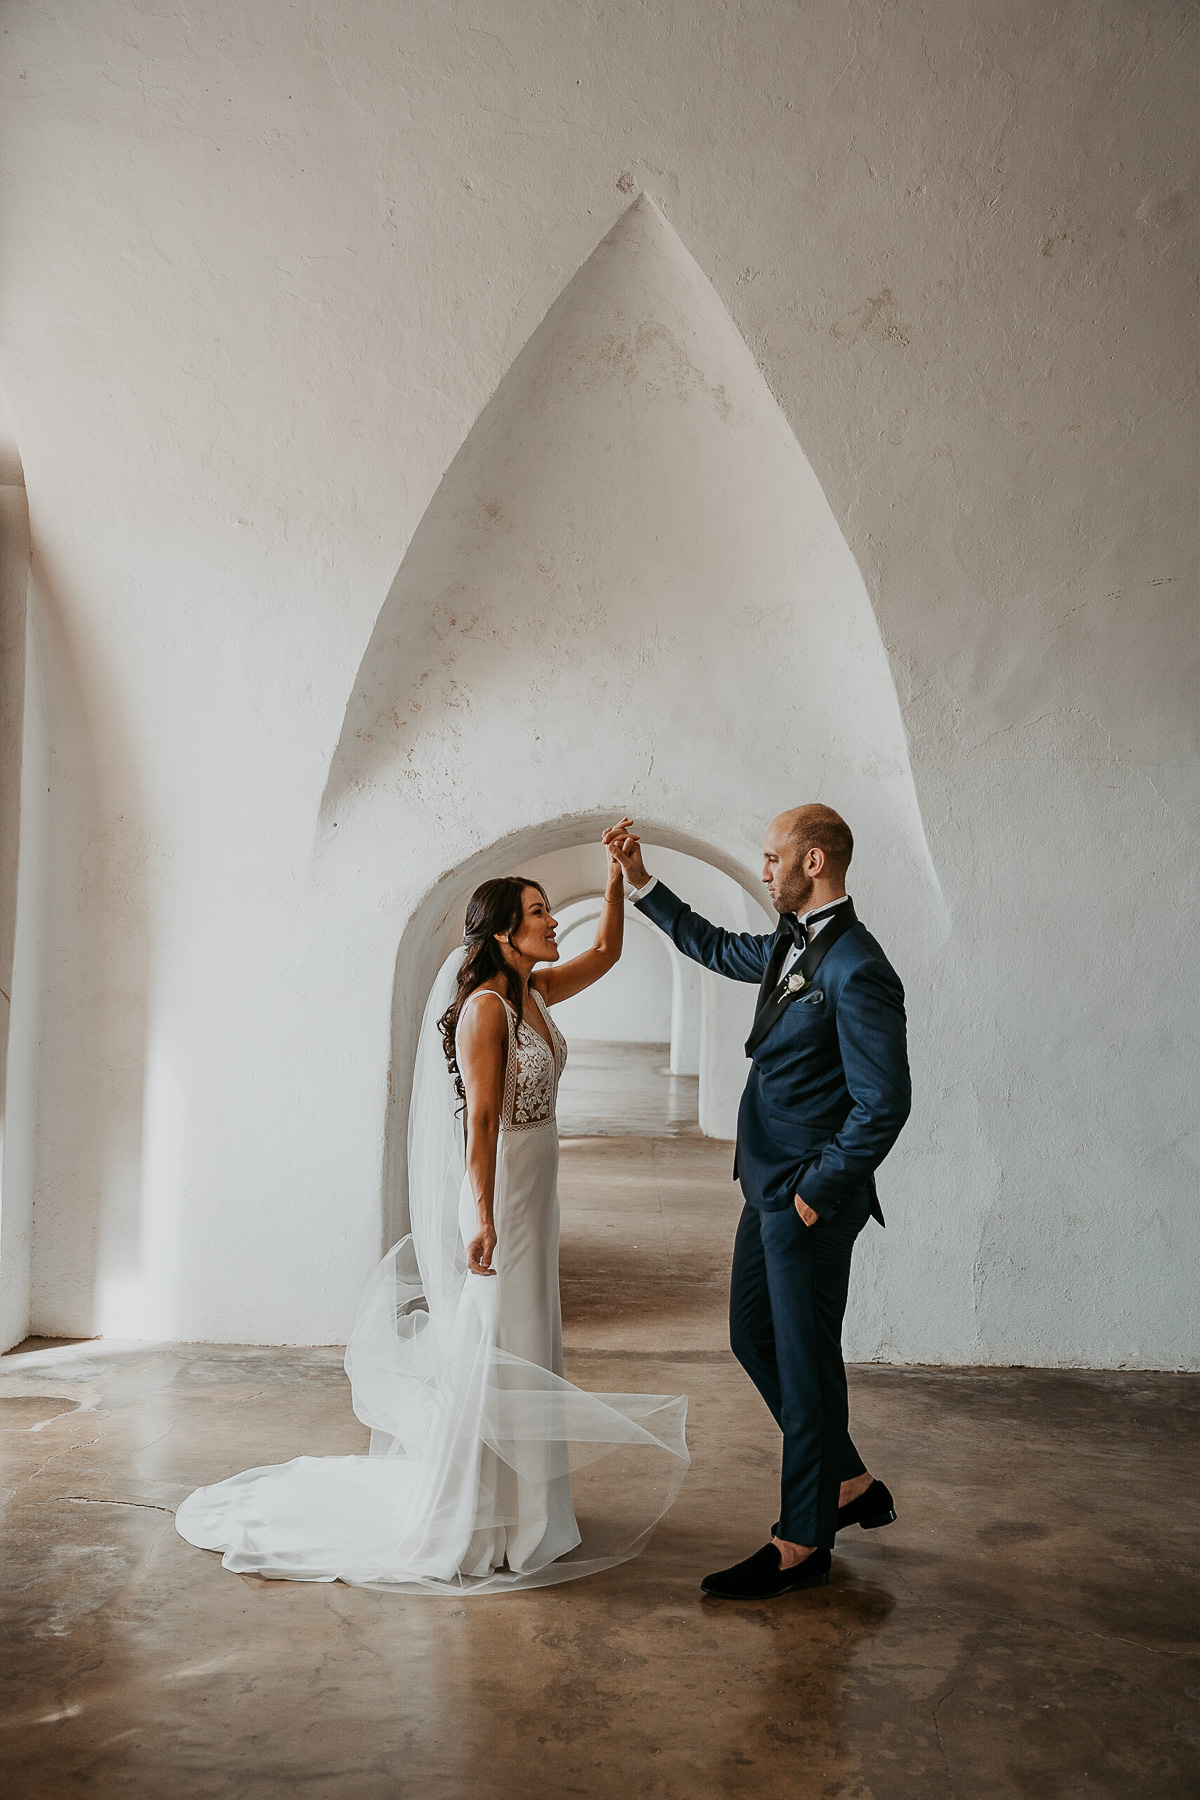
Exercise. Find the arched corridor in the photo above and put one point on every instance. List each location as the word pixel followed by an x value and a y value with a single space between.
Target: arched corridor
pixel 708 1017
pixel 655 1046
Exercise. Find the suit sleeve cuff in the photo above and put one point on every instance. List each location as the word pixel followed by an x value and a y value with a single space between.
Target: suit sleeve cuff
pixel 636 894
pixel 822 1205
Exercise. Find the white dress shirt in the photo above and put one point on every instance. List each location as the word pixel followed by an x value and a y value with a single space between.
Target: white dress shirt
pixel 817 925
pixel 636 894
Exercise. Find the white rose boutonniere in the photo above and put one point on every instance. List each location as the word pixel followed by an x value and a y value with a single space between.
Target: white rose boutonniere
pixel 795 984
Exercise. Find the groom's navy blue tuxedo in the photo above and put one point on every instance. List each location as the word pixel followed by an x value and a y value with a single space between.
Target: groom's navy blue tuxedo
pixel 826 1098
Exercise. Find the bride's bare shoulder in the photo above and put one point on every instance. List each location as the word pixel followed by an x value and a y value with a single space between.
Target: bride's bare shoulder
pixel 480 1024
pixel 488 987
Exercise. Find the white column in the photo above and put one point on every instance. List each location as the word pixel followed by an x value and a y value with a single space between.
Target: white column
pixel 726 1015
pixel 685 1014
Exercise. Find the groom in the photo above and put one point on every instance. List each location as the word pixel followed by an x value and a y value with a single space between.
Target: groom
pixel 826 1098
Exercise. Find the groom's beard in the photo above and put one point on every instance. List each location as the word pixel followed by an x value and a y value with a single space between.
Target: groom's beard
pixel 795 896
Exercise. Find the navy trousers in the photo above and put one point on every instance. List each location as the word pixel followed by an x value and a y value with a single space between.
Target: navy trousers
pixel 787 1299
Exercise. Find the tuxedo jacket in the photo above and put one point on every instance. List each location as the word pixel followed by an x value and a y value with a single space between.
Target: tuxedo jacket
pixel 829 1089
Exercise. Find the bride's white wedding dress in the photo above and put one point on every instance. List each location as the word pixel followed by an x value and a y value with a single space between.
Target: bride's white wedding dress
pixel 482 1454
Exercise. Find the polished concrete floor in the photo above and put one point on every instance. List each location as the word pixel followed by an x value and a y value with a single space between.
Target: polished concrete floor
pixel 1027 1627
pixel 628 1085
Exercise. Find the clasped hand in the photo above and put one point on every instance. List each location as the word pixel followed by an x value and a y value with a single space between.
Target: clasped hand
pixel 626 847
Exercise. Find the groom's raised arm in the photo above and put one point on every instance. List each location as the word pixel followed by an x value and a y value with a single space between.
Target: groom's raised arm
pixel 739 954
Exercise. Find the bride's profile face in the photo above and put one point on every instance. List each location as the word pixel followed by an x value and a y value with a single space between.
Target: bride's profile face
pixel 534 937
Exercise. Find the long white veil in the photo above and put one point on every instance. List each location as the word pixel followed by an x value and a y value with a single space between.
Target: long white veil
pixel 402 1343
pixel 442 1399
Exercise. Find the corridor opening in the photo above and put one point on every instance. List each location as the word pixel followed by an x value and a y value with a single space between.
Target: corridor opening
pixel 655 1047
pixel 619 1080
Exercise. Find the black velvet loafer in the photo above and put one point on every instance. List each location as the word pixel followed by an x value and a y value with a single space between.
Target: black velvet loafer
pixel 761 1577
pixel 873 1508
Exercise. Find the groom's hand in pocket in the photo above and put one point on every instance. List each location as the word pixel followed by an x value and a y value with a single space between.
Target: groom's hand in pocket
pixel 806 1212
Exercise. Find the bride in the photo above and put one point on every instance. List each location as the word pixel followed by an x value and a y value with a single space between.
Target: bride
pixel 487 1469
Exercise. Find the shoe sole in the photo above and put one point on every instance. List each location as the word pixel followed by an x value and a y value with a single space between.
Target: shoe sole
pixel 795 1587
pixel 871 1524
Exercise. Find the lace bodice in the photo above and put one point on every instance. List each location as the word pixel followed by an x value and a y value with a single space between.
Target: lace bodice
pixel 532 1068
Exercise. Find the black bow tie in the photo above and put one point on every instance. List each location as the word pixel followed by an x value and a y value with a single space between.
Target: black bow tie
pixel 800 930
pixel 794 928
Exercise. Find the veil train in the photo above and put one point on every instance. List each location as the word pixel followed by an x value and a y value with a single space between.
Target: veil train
pixel 460 1428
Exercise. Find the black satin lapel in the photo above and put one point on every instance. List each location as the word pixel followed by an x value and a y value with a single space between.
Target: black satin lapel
pixel 777 1003
pixel 770 980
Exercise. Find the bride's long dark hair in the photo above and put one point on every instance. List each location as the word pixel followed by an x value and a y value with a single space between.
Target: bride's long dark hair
pixel 496 907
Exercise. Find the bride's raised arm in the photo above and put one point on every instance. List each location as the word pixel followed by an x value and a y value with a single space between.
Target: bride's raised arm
pixel 561 980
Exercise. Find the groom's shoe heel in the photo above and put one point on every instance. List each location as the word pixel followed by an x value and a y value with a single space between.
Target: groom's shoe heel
pixel 821 1580
pixel 873 1507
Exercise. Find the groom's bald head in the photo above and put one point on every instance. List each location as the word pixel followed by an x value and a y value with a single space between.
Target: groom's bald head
pixel 817 827
pixel 806 853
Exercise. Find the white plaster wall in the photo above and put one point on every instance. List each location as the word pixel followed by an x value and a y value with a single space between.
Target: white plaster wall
pixel 263 273
pixel 24 1095
pixel 18 1027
